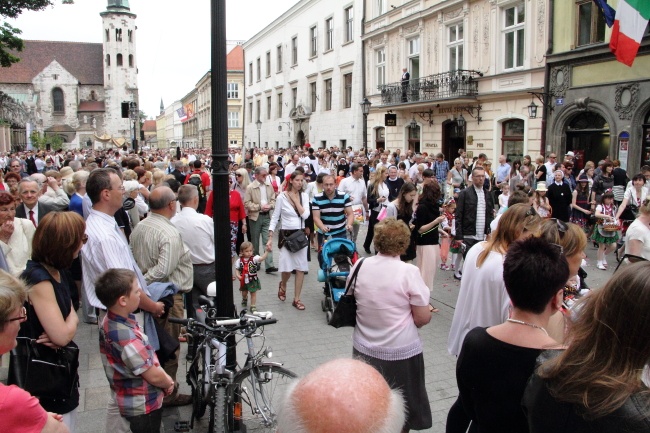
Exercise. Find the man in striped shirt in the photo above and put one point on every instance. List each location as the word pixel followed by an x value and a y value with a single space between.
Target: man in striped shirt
pixel 332 211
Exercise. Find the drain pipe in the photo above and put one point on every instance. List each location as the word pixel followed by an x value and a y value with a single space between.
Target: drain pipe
pixel 547 77
pixel 363 71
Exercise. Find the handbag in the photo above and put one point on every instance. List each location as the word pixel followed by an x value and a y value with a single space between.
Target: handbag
pixel 382 213
pixel 43 371
pixel 297 240
pixel 345 313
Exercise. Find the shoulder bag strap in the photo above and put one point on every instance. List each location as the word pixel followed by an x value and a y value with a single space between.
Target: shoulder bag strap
pixel 353 280
pixel 294 207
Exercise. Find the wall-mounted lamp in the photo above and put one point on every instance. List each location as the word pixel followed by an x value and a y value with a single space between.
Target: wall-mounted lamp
pixel 544 98
pixel 427 116
pixel 413 123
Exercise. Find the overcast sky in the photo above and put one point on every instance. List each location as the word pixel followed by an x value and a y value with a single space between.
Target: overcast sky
pixel 173 37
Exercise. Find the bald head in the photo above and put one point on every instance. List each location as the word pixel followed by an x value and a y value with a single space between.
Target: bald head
pixel 357 398
pixel 160 198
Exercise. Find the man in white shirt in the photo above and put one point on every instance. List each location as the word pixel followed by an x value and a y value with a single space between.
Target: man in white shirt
pixel 355 187
pixel 550 168
pixel 197 231
pixel 291 167
pixel 413 170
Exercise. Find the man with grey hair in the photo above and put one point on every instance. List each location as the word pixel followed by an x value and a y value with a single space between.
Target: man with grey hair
pixel 31 208
pixel 259 201
pixel 197 232
pixel 342 396
pixel 51 193
pixel 160 253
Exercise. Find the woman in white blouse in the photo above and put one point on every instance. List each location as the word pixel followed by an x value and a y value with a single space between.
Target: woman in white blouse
pixel 16 235
pixel 292 209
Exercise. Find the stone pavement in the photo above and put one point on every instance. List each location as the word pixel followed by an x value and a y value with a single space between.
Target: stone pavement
pixel 302 340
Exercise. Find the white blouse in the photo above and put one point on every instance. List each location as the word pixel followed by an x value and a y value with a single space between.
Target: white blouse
pixel 284 210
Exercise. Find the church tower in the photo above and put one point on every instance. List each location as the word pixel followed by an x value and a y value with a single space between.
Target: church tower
pixel 120 67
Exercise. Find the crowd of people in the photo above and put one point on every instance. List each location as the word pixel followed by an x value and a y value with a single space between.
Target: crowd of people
pixel 70 220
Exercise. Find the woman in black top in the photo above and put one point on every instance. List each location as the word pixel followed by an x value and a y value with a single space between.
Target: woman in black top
pixel 427 219
pixel 602 183
pixel 595 385
pixel 495 363
pixel 51 318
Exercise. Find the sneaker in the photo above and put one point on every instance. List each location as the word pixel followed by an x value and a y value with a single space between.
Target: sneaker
pixel 444 267
pixel 244 302
pixel 458 277
pixel 601 267
pixel 253 309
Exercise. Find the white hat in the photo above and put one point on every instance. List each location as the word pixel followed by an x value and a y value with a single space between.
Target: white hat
pixel 570 153
pixel 541 186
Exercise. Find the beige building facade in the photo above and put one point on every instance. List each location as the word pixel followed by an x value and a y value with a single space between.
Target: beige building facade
pixel 471 66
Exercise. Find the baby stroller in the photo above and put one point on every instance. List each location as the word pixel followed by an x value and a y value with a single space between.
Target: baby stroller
pixel 338 257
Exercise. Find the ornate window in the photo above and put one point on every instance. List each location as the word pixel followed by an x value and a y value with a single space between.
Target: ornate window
pixel 455 46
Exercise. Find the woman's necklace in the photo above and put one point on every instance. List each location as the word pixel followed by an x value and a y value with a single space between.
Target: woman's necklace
pixel 521 322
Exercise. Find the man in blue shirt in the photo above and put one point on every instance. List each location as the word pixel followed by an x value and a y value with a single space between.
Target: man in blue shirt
pixel 503 170
pixel 332 211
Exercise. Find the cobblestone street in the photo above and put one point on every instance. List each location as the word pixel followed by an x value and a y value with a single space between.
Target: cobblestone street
pixel 302 340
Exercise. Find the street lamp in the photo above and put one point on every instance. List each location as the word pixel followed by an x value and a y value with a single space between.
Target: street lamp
pixel 365 109
pixel 413 124
pixel 259 128
pixel 532 110
pixel 133 115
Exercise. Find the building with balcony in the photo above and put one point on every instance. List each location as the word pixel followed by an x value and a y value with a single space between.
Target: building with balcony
pixel 596 106
pixel 471 65
pixel 304 77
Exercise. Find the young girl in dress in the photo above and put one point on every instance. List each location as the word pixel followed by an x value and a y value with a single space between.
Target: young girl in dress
pixel 449 230
pixel 246 268
pixel 540 202
pixel 606 214
pixel 580 204
pixel 504 196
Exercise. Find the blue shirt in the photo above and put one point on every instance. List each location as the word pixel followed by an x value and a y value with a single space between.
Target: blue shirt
pixel 502 172
pixel 332 212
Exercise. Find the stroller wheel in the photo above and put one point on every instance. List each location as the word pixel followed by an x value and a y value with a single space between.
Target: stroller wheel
pixel 323 304
pixel 328 317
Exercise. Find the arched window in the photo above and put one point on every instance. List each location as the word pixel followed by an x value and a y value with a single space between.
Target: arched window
pixel 108 60
pixel 130 60
pixel 119 60
pixel 58 102
pixel 93 95
pixel 107 35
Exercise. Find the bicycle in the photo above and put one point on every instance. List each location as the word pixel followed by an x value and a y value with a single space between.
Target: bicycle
pixel 250 395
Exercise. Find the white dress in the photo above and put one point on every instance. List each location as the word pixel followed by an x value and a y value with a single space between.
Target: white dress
pixel 482 300
pixel 285 214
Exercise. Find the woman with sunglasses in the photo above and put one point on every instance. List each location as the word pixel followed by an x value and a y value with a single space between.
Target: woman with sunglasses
pixel 482 300
pixel 51 319
pixel 573 240
pixel 20 411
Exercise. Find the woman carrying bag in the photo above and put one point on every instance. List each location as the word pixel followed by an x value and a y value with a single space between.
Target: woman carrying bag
pixel 292 206
pixel 51 320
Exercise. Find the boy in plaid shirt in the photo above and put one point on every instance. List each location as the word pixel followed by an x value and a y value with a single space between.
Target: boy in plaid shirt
pixel 130 363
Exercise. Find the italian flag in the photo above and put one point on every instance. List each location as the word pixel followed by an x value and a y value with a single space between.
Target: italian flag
pixel 630 23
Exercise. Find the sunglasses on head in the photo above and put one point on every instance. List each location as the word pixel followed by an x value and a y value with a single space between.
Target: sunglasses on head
pixel 561 227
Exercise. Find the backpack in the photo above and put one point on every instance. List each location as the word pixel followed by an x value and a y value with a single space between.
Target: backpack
pixel 195 179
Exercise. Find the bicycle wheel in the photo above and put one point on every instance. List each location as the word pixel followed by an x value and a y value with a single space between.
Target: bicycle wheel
pixel 256 395
pixel 199 371
pixel 218 421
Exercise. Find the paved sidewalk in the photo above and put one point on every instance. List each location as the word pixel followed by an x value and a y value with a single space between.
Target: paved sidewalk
pixel 302 340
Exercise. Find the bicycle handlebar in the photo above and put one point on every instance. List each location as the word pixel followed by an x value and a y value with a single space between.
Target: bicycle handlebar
pixel 242 323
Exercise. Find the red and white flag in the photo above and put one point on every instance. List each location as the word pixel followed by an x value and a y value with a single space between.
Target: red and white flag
pixel 630 24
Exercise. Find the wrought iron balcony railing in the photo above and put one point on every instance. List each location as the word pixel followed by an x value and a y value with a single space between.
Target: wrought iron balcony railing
pixel 447 85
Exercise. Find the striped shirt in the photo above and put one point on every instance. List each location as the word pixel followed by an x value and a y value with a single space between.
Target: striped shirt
pixel 480 215
pixel 332 212
pixel 160 252
pixel 105 249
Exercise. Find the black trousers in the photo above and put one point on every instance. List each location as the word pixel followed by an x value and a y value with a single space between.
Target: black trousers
pixel 372 221
pixel 148 423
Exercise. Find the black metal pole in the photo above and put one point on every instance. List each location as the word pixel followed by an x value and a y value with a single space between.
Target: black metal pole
pixel 220 190
pixel 365 132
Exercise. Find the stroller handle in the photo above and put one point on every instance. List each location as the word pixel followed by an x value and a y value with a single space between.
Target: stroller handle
pixel 338 274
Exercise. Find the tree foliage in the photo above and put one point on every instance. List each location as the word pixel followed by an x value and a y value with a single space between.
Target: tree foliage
pixel 9 40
